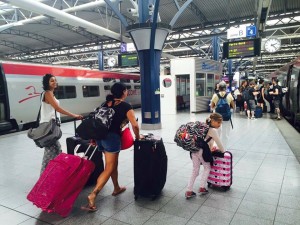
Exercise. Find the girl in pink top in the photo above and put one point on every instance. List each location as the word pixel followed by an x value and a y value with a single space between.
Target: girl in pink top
pixel 214 121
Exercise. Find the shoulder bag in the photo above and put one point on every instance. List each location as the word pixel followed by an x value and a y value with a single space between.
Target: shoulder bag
pixel 47 133
pixel 126 139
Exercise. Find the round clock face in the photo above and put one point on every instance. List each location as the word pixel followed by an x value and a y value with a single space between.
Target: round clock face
pixel 111 61
pixel 272 45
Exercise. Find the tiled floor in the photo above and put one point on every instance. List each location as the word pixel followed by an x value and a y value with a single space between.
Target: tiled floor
pixel 265 190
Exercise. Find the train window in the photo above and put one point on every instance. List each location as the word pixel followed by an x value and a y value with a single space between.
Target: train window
pixel 136 81
pixel 65 92
pixel 137 87
pixel 90 91
pixel 106 87
pixel 125 80
pixel 128 87
pixel 109 80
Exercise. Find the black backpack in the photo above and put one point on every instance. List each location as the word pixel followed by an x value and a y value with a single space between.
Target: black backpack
pixel 97 125
pixel 246 95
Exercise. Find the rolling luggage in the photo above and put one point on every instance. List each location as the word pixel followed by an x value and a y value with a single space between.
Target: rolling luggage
pixel 150 166
pixel 72 142
pixel 61 182
pixel 221 172
pixel 258 112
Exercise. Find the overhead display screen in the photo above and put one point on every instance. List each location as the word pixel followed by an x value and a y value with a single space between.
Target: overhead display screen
pixel 241 49
pixel 128 60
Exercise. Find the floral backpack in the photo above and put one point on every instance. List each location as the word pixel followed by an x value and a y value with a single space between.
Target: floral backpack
pixel 191 136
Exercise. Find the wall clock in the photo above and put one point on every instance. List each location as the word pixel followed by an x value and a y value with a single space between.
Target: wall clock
pixel 272 45
pixel 111 61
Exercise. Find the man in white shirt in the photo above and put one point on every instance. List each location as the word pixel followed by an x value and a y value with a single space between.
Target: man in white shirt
pixel 224 130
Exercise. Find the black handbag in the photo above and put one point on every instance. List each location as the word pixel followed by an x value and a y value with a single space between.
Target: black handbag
pixel 91 128
pixel 97 125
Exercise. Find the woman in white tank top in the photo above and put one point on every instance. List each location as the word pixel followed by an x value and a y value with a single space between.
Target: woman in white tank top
pixel 48 106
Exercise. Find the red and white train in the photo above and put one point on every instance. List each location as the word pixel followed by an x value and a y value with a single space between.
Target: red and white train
pixel 79 90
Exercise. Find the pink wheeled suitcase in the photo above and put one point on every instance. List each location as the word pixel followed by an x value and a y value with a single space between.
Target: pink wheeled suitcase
pixel 221 171
pixel 60 183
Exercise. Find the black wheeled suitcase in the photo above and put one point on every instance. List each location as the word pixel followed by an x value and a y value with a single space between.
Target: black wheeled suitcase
pixel 150 167
pixel 72 142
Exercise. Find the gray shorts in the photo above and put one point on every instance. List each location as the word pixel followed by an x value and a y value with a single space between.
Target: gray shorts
pixel 252 105
pixel 276 103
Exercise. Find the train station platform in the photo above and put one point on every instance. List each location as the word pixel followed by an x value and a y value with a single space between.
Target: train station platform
pixel 265 189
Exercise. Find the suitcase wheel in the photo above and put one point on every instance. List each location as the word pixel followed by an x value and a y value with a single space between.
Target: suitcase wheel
pixel 208 184
pixel 225 188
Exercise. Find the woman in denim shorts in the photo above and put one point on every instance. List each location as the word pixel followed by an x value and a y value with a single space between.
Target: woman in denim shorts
pixel 111 145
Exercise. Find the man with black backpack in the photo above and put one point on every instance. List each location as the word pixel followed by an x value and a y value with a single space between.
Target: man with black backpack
pixel 222 103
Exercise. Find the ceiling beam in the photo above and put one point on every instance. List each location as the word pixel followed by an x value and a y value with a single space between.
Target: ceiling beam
pixel 64 17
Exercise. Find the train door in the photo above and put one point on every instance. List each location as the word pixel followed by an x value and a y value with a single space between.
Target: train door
pixel 287 83
pixel 4 108
pixel 183 91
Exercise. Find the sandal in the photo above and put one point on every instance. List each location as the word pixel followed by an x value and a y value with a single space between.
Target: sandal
pixel 122 189
pixel 90 207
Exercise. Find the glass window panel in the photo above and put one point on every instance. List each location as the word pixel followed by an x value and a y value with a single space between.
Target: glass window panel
pixel 125 80
pixel 210 86
pixel 183 84
pixel 200 84
pixel 90 91
pixel 65 92
pixel 106 87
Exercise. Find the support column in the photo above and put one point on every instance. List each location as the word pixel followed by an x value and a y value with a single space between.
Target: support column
pixel 230 75
pixel 149 44
pixel 100 60
pixel 216 48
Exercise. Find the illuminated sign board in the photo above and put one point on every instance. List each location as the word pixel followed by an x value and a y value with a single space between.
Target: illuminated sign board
pixel 241 49
pixel 128 60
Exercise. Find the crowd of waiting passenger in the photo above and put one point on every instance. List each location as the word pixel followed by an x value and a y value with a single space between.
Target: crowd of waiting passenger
pixel 251 96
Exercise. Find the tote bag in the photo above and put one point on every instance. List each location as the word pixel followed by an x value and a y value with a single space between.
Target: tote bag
pixel 126 139
pixel 46 134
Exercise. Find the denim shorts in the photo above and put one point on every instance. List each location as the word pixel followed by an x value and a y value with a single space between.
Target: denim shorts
pixel 112 143
pixel 252 105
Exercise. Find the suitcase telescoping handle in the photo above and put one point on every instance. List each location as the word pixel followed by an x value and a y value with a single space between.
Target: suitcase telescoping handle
pixel 87 150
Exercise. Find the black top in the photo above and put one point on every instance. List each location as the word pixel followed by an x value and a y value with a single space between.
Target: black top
pixel 251 95
pixel 259 96
pixel 120 115
pixel 276 97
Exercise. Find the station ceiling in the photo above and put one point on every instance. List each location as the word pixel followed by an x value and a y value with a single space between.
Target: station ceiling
pixel 72 32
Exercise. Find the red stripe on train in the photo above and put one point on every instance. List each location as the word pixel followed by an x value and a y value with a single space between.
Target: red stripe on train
pixel 40 70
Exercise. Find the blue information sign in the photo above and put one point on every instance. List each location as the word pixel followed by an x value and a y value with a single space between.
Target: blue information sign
pixel 250 31
pixel 123 47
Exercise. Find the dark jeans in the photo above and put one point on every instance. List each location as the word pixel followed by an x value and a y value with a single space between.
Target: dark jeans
pixel 270 100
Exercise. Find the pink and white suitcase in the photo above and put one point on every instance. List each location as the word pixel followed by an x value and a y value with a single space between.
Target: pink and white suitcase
pixel 221 172
pixel 60 183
